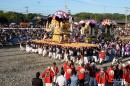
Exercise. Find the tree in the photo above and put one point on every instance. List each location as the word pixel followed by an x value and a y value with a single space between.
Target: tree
pixel 3 20
pixel 99 17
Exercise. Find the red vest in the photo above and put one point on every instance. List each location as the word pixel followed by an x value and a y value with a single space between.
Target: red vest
pixel 81 73
pixel 102 55
pixel 54 70
pixel 127 76
pixel 65 65
pixel 48 76
pixel 101 77
pixel 68 72
pixel 110 73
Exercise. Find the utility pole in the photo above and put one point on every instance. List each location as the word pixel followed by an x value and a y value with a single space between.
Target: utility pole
pixel 95 16
pixel 126 14
pixel 69 11
pixel 104 9
pixel 65 6
pixel 26 12
pixel 126 10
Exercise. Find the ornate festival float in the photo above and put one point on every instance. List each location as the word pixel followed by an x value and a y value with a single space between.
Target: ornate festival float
pixel 94 29
pixel 61 26
pixel 107 29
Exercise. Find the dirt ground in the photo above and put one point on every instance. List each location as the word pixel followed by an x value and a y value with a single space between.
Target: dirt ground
pixel 17 68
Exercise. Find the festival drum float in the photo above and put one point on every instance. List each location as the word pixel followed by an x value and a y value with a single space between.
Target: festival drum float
pixel 59 24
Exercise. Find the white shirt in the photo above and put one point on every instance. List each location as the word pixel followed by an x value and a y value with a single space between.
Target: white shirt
pixel 61 80
pixel 82 31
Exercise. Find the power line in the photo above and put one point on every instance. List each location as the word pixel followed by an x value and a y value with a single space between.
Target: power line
pixel 79 1
pixel 84 2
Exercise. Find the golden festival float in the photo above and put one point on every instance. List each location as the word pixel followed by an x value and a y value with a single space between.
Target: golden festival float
pixel 61 27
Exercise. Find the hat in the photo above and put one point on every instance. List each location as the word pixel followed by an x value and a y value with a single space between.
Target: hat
pixel 123 65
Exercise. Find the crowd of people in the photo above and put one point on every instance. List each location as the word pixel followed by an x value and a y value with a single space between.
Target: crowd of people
pixel 106 51
pixel 87 58
pixel 16 35
pixel 84 75
pixel 79 63
pixel 123 32
pixel 77 35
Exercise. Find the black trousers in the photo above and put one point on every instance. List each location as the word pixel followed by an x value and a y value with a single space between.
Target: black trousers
pixel 81 82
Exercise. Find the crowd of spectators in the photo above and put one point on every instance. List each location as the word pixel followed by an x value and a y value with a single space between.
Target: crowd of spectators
pixel 123 31
pixel 20 35
pixel 86 57
pixel 84 75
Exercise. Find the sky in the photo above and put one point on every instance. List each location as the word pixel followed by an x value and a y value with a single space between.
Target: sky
pixel 46 7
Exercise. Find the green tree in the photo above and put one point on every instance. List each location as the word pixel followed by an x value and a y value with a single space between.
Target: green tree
pixel 3 20
pixel 99 17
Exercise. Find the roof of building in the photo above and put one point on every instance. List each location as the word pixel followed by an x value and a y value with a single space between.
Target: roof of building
pixel 121 21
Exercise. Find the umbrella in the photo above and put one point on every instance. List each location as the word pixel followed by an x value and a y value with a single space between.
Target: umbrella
pixel 106 22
